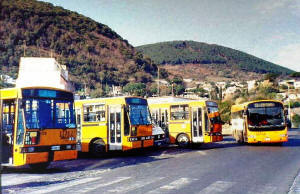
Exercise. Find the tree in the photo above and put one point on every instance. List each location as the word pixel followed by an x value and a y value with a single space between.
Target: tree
pixel 271 77
pixel 137 89
pixel 295 74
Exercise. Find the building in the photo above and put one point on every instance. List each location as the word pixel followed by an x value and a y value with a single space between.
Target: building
pixel 40 71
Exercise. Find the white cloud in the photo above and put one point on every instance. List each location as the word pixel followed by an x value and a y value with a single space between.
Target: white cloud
pixel 268 6
pixel 289 56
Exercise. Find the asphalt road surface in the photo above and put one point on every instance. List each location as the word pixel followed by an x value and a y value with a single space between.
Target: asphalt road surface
pixel 223 167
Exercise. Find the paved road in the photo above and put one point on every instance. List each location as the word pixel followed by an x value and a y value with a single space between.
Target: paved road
pixel 224 167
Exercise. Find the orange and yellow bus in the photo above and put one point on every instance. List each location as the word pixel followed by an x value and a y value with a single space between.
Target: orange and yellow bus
pixel 116 123
pixel 187 121
pixel 261 121
pixel 37 126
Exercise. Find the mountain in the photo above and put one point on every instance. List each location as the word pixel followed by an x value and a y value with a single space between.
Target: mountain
pixel 95 55
pixel 201 60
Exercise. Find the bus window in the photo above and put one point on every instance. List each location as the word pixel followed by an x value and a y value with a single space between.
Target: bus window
pixel 94 113
pixel 20 129
pixel 126 124
pixel 8 119
pixel 207 129
pixel 47 114
pixel 180 112
pixel 266 117
pixel 139 114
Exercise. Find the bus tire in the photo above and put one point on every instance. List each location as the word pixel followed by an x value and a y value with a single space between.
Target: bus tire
pixel 39 166
pixel 98 148
pixel 182 140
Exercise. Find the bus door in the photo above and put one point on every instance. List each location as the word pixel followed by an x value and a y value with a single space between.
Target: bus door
pixel 207 128
pixel 7 130
pixel 197 135
pixel 79 128
pixel 114 127
pixel 164 121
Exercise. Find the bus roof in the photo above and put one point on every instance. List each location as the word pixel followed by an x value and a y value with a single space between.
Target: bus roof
pixel 239 107
pixel 167 99
pixel 109 100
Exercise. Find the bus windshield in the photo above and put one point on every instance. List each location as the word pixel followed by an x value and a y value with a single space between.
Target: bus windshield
pixel 48 109
pixel 264 117
pixel 48 113
pixel 139 114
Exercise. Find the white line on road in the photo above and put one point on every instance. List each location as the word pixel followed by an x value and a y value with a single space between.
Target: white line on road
pixel 202 153
pixel 263 189
pixel 135 185
pixel 59 186
pixel 217 187
pixel 175 185
pixel 119 179
pixel 295 188
pixel 18 179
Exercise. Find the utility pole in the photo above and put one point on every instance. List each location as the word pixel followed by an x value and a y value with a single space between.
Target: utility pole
pixel 158 81
pixel 1 133
pixel 24 48
pixel 290 118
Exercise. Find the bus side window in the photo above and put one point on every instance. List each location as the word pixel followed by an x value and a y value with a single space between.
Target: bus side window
pixel 126 124
pixel 20 129
pixel 206 122
pixel 180 112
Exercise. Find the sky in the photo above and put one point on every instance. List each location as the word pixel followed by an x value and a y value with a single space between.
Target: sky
pixel 268 29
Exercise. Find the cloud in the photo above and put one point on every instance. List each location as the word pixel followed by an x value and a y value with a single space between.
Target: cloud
pixel 269 6
pixel 289 56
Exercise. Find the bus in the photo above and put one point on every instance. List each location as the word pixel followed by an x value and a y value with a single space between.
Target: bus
pixel 115 124
pixel 187 121
pixel 262 121
pixel 37 126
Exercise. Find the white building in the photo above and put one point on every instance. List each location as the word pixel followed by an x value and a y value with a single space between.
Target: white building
pixel 251 84
pixel 37 71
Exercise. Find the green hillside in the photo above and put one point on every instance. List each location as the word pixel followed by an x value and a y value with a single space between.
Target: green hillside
pixel 95 55
pixel 183 52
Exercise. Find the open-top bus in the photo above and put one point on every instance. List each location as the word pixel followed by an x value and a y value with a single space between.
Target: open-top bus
pixel 116 123
pixel 261 121
pixel 37 126
pixel 187 121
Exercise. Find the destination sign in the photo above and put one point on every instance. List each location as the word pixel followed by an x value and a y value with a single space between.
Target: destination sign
pixel 264 105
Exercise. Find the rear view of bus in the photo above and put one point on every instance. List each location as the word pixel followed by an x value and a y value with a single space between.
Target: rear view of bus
pixel 38 126
pixel 187 121
pixel 260 122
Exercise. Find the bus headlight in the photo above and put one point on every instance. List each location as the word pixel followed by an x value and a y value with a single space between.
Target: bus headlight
pixel 282 135
pixel 252 136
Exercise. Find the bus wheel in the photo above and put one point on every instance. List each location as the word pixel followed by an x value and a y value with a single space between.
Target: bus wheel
pixel 98 148
pixel 39 166
pixel 182 140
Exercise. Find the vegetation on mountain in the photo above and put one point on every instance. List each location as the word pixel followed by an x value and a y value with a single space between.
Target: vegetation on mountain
pixel 295 74
pixel 95 55
pixel 191 52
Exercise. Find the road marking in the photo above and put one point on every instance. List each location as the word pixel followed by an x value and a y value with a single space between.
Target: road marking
pixel 175 185
pixel 217 187
pixel 263 189
pixel 295 188
pixel 17 179
pixel 202 153
pixel 135 185
pixel 119 179
pixel 59 186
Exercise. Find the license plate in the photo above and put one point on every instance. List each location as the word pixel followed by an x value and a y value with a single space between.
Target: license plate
pixel 54 148
pixel 268 139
